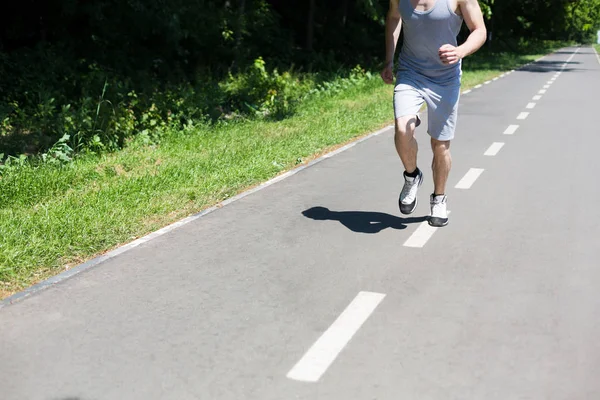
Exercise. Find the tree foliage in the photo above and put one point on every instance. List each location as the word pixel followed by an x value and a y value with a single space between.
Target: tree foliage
pixel 99 71
pixel 545 19
pixel 213 33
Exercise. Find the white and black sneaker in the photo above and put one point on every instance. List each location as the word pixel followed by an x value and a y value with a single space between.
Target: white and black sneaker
pixel 408 196
pixel 439 214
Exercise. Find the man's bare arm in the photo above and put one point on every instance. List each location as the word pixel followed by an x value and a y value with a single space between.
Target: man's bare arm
pixel 393 24
pixel 474 19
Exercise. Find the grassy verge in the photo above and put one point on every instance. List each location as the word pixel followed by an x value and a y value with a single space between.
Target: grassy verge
pixel 53 217
pixel 597 47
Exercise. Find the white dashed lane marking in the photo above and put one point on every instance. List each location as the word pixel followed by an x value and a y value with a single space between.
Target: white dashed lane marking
pixel 493 149
pixel 421 235
pixel 511 129
pixel 325 350
pixel 469 179
pixel 424 232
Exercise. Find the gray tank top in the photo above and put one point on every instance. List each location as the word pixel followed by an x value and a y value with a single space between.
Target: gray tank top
pixel 424 33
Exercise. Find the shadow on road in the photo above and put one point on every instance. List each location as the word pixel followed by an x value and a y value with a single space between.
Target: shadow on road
pixel 361 221
pixel 550 66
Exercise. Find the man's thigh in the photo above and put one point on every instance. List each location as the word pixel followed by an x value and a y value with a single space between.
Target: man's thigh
pixel 407 100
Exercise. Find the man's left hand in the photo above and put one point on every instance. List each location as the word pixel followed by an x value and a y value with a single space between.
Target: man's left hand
pixel 450 54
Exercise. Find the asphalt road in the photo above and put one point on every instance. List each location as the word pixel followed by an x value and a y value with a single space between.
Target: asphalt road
pixel 316 288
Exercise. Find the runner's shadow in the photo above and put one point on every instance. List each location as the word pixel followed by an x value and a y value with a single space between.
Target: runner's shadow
pixel 361 221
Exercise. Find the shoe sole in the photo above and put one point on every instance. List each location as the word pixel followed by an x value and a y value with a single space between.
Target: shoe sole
pixel 437 225
pixel 412 210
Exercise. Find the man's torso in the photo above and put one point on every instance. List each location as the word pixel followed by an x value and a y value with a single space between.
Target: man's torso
pixel 428 25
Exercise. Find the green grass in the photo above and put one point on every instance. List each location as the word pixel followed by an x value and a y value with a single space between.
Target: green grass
pixel 597 47
pixel 52 218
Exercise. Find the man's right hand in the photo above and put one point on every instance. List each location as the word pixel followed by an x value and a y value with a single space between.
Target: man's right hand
pixel 387 74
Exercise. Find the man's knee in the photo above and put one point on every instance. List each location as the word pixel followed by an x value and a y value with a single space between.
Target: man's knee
pixel 440 145
pixel 405 126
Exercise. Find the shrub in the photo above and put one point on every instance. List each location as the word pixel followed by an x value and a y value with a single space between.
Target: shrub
pixel 262 93
pixel 58 107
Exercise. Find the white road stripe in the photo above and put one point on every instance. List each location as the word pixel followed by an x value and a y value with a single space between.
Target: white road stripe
pixel 531 105
pixel 421 235
pixel 478 86
pixel 511 129
pixel 495 79
pixel 494 149
pixel 537 97
pixel 546 86
pixel 466 92
pixel 487 82
pixel 523 115
pixel 550 82
pixel 569 60
pixel 572 55
pixel 470 177
pixel 543 91
pixel 325 350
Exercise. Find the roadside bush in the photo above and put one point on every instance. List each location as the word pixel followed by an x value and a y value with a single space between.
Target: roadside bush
pixel 261 93
pixel 56 107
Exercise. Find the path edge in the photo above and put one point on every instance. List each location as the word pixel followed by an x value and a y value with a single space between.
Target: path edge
pixel 49 282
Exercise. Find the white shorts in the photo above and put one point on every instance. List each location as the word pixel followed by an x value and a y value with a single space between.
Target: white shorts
pixel 412 90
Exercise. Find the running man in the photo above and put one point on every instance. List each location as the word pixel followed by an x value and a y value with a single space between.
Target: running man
pixel 429 71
